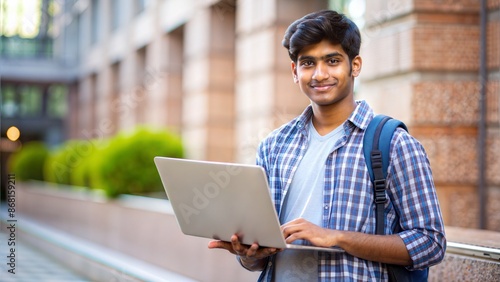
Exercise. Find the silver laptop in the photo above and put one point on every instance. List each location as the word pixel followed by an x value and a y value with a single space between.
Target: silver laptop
pixel 216 200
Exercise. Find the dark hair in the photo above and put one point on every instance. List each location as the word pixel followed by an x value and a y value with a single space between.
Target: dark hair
pixel 325 24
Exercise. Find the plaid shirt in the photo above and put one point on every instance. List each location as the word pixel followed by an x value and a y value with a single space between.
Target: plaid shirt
pixel 348 194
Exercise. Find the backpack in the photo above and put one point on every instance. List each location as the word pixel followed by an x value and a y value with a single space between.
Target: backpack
pixel 376 149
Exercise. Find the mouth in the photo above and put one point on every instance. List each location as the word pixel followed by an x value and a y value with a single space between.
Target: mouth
pixel 322 87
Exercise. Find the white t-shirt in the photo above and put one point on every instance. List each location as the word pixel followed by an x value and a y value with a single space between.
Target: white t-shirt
pixel 304 199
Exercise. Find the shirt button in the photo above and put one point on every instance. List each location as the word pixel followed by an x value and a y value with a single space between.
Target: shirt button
pixel 270 264
pixel 326 207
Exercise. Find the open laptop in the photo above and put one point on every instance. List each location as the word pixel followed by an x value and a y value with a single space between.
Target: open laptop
pixel 216 200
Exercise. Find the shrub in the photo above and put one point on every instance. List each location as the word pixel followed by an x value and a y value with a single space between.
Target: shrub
pixel 63 162
pixel 27 163
pixel 126 165
pixel 82 174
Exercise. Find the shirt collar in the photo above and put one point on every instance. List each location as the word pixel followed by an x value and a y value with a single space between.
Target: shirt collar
pixel 360 117
pixel 304 118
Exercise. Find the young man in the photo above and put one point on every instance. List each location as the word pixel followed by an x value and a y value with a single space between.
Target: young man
pixel 319 180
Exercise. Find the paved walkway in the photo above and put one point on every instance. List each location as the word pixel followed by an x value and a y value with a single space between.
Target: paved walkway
pixel 44 264
pixel 31 265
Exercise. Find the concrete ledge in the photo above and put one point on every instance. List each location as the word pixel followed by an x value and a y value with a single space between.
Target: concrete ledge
pixel 465 265
pixel 478 237
pixel 463 268
pixel 90 260
pixel 137 227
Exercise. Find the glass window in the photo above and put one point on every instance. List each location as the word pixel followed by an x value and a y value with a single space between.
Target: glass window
pixel 117 14
pixel 26 28
pixel 140 6
pixel 10 107
pixel 95 20
pixel 31 101
pixel 57 105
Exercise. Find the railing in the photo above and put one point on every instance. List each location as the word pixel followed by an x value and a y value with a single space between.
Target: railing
pixel 482 252
pixel 471 255
pixel 17 48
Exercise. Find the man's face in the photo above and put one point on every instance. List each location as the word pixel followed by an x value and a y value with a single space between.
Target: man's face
pixel 324 73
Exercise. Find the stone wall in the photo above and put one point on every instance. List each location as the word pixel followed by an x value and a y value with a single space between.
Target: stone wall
pixel 422 66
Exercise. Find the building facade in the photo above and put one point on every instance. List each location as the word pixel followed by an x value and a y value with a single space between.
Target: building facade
pixel 215 72
pixel 423 65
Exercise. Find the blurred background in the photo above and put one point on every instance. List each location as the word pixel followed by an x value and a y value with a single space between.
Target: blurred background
pixel 89 84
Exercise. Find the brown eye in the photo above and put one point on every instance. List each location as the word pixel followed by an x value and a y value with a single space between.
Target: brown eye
pixel 307 63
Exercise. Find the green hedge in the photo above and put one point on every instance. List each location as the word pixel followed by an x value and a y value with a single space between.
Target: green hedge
pixel 27 163
pixel 64 161
pixel 126 165
pixel 83 174
pixel 121 165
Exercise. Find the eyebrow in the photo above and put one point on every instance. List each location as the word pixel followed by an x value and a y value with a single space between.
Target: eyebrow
pixel 327 56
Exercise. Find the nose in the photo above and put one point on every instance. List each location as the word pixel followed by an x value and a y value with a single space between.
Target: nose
pixel 320 72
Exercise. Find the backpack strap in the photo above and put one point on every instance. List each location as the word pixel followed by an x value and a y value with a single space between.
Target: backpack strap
pixel 376 145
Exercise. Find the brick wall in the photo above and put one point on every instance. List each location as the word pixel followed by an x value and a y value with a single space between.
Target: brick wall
pixel 446 47
pixel 433 48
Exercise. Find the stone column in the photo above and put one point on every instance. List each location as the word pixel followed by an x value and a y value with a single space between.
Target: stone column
pixel 86 119
pixel 72 122
pixel 208 84
pixel 168 102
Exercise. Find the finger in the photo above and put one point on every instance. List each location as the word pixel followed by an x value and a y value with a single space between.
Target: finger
pixel 217 244
pixel 287 227
pixel 289 230
pixel 295 226
pixel 292 238
pixel 295 232
pixel 252 251
pixel 239 248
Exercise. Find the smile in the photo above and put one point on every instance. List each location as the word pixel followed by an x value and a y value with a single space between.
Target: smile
pixel 322 87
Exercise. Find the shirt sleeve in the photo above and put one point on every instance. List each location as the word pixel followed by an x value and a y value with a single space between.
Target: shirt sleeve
pixel 260 158
pixel 416 203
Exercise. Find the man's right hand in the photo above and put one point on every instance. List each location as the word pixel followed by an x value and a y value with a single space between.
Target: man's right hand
pixel 252 257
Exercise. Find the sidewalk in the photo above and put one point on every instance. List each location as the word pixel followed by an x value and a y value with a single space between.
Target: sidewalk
pixel 31 264
pixel 45 254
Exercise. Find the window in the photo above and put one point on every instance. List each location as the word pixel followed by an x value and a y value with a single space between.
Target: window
pixel 57 101
pixel 10 106
pixel 140 6
pixel 31 101
pixel 94 22
pixel 116 14
pixel 26 28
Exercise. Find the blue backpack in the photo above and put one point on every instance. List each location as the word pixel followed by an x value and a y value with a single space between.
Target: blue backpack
pixel 376 146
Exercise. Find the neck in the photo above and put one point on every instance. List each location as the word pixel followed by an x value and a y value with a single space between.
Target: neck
pixel 327 118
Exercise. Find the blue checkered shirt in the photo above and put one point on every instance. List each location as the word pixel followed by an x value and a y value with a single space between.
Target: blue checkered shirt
pixel 348 194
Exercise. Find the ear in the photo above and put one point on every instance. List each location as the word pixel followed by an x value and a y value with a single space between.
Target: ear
pixel 294 73
pixel 356 64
